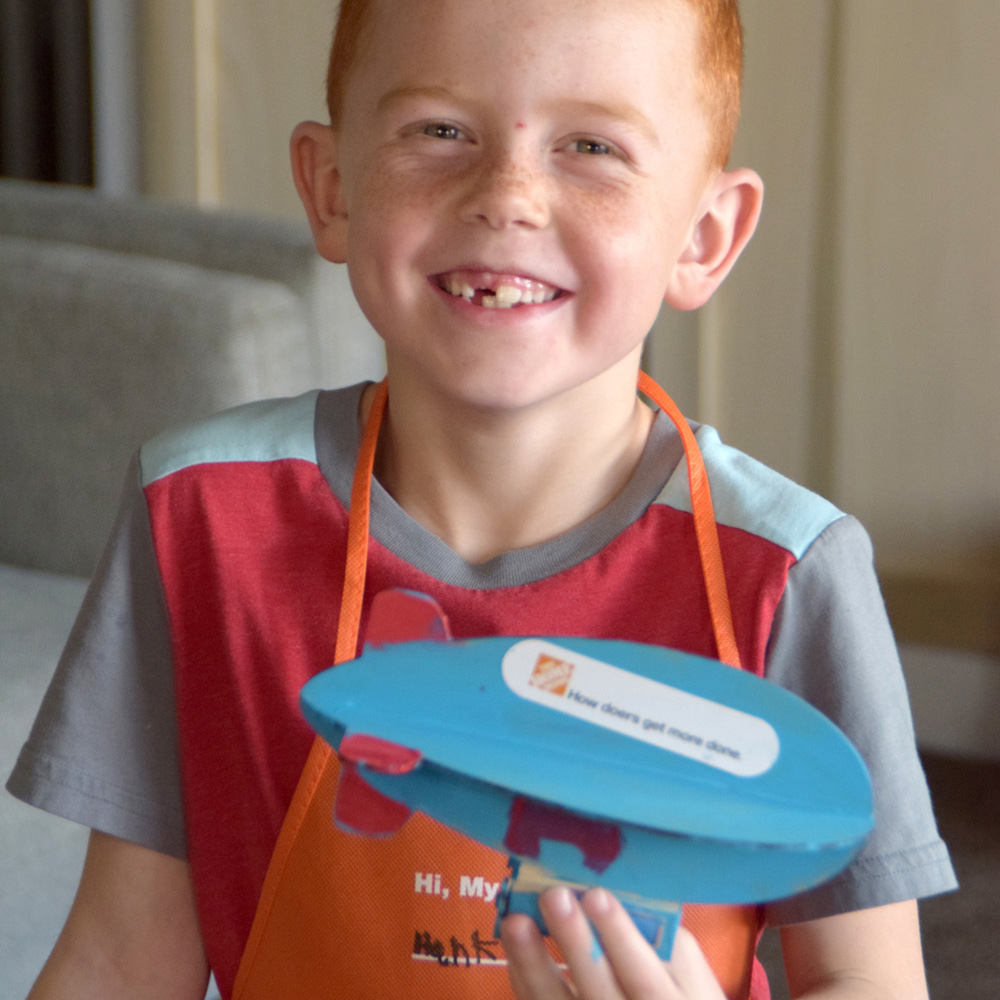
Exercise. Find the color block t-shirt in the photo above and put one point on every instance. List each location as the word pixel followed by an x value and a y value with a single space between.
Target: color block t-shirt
pixel 173 719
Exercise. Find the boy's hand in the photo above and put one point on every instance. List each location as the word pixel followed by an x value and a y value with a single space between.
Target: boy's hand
pixel 622 966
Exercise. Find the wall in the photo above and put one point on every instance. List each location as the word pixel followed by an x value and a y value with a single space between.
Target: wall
pixel 920 300
pixel 855 347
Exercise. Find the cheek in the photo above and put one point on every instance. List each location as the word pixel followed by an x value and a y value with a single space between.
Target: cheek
pixel 629 213
pixel 391 198
pixel 627 240
pixel 391 219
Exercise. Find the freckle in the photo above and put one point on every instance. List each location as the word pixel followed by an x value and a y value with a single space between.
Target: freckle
pixel 519 125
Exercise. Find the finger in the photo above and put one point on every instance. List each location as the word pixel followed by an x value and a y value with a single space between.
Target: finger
pixel 690 969
pixel 589 970
pixel 637 968
pixel 531 969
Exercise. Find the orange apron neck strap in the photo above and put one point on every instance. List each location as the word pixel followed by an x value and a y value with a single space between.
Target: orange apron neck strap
pixel 706 530
pixel 356 566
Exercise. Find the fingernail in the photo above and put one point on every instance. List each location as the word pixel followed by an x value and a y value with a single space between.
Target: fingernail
pixel 560 901
pixel 600 901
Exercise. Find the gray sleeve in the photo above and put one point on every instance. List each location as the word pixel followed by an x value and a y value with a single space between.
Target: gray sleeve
pixel 103 750
pixel 832 645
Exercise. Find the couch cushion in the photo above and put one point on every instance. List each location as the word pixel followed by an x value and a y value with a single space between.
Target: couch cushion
pixel 40 856
pixel 101 350
pixel 270 248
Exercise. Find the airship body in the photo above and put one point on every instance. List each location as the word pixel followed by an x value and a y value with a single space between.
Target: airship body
pixel 657 774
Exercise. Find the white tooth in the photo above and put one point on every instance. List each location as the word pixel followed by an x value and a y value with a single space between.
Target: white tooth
pixel 467 292
pixel 490 302
pixel 453 287
pixel 508 295
pixel 538 295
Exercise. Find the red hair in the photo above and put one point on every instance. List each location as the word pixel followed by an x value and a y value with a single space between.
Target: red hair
pixel 721 76
pixel 721 71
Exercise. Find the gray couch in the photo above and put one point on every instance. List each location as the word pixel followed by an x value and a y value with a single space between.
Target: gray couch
pixel 119 318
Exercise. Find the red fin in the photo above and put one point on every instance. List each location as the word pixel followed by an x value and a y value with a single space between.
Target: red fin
pixel 362 809
pixel 378 754
pixel 405 616
pixel 532 821
pixel 396 616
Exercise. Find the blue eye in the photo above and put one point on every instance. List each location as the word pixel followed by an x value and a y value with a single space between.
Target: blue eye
pixel 591 147
pixel 439 130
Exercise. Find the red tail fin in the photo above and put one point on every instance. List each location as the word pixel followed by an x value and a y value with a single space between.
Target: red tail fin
pixel 405 616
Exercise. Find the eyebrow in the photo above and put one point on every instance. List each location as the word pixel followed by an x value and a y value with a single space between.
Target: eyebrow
pixel 409 92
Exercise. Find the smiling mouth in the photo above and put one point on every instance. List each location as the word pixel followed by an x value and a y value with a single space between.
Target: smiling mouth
pixel 496 291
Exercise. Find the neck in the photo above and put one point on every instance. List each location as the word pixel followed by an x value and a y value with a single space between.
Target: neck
pixel 487 482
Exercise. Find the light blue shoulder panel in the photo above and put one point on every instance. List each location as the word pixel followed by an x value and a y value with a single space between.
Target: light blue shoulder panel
pixel 750 496
pixel 264 431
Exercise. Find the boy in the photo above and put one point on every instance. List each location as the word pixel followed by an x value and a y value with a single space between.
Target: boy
pixel 515 186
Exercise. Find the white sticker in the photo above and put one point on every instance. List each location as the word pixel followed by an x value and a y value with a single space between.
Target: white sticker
pixel 664 716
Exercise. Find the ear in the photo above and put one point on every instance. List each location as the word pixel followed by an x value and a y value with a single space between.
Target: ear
pixel 726 219
pixel 314 151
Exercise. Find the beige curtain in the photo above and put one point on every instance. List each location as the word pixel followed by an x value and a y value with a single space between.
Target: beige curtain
pixel 225 82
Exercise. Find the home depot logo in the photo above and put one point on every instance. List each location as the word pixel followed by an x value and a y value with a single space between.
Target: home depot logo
pixel 551 675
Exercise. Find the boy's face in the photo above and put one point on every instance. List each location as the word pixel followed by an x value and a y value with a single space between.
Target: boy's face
pixel 551 153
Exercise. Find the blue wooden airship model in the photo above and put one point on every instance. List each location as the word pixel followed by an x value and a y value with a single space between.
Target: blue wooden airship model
pixel 657 774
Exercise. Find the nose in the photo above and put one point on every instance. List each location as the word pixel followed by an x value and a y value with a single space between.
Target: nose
pixel 507 190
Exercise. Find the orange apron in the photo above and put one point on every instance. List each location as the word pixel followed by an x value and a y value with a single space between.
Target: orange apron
pixel 412 915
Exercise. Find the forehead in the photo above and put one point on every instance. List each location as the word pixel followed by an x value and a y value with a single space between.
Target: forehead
pixel 637 43
pixel 520 17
